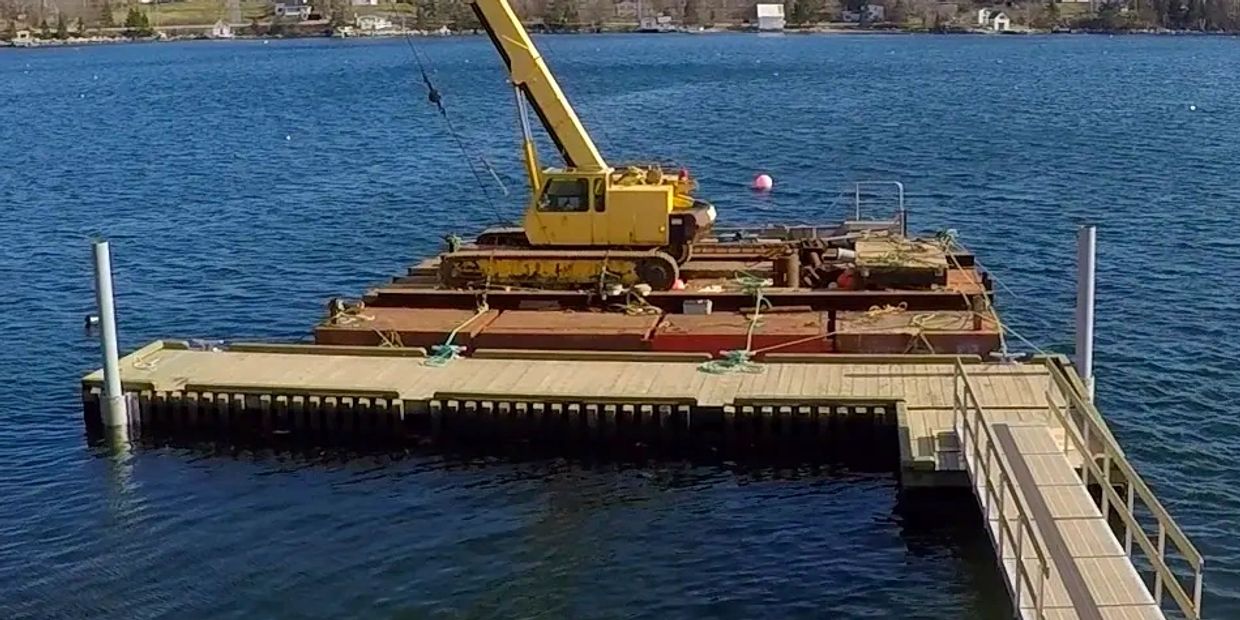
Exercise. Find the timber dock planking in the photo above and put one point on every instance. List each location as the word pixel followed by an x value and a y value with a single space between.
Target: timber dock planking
pixel 809 400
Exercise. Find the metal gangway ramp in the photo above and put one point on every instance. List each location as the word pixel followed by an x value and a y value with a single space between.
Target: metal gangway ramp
pixel 1059 555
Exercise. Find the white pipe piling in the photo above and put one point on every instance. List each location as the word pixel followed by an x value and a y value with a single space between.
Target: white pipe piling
pixel 1086 257
pixel 115 414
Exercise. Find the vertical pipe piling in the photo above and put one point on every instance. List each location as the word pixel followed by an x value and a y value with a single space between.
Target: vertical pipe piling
pixel 1086 255
pixel 114 410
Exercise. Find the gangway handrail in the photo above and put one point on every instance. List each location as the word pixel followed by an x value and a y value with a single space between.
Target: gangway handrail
pixel 1084 437
pixel 964 401
pixel 902 211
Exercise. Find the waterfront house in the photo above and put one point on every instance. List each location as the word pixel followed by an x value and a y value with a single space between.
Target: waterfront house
pixel 662 23
pixel 983 17
pixel 770 17
pixel 999 22
pixel 627 9
pixel 221 30
pixel 373 23
pixel 23 38
pixel 868 13
pixel 299 9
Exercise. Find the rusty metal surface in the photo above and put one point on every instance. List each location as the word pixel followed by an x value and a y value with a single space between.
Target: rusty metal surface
pixel 410 327
pixel 725 268
pixel 968 281
pixel 670 300
pixel 562 330
pixel 891 330
pixel 788 332
pixel 556 268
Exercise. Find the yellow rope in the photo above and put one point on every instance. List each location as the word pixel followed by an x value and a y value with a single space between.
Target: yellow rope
pixel 636 305
pixel 876 312
pixel 350 314
pixel 389 339
pixel 740 360
pixel 441 354
pixel 988 312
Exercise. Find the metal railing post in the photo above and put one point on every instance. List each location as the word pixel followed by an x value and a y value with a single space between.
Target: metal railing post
pixel 999 526
pixel 1087 455
pixel 1106 480
pixel 903 210
pixel 1041 592
pixel 1197 590
pixel 988 504
pixel 977 430
pixel 1020 559
pixel 1162 553
pixel 1128 529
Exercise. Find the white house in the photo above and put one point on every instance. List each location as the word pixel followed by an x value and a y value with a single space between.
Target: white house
pixel 221 30
pixel 868 13
pixel 23 39
pixel 292 8
pixel 627 9
pixel 364 2
pixel 770 17
pixel 994 19
pixel 999 22
pixel 372 23
pixel 661 23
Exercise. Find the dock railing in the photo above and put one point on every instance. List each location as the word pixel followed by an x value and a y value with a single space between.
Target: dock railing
pixel 1084 433
pixel 992 481
pixel 859 190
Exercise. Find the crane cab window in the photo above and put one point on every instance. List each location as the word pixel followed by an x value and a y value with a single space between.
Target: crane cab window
pixel 566 196
pixel 600 196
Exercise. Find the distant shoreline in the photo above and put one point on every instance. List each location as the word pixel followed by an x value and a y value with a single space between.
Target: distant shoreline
pixel 199 33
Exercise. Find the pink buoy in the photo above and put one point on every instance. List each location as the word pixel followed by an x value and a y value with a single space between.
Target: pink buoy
pixel 763 182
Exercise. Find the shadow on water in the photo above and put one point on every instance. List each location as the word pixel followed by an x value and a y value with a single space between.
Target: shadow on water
pixel 933 521
pixel 466 453
pixel 755 452
pixel 940 527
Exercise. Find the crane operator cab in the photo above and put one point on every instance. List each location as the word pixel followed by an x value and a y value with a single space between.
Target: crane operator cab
pixel 608 209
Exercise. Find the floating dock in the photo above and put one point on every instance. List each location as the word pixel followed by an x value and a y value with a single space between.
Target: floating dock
pixel 1023 436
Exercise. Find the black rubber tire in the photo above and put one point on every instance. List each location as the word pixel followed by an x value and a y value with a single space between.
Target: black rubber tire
pixel 659 272
pixel 681 252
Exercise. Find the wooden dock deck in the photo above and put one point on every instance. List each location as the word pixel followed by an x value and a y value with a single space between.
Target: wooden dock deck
pixel 1016 433
pixel 1059 554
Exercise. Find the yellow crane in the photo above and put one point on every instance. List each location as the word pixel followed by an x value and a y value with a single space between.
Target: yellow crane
pixel 587 222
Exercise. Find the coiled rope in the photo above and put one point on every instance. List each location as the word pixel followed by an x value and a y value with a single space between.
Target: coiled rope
pixel 741 360
pixel 441 354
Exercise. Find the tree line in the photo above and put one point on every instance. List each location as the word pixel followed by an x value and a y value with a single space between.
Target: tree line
pixel 50 21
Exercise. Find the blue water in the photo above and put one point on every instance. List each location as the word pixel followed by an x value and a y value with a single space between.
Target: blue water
pixel 244 183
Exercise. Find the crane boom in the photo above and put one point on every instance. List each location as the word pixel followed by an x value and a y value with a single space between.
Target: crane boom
pixel 530 74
